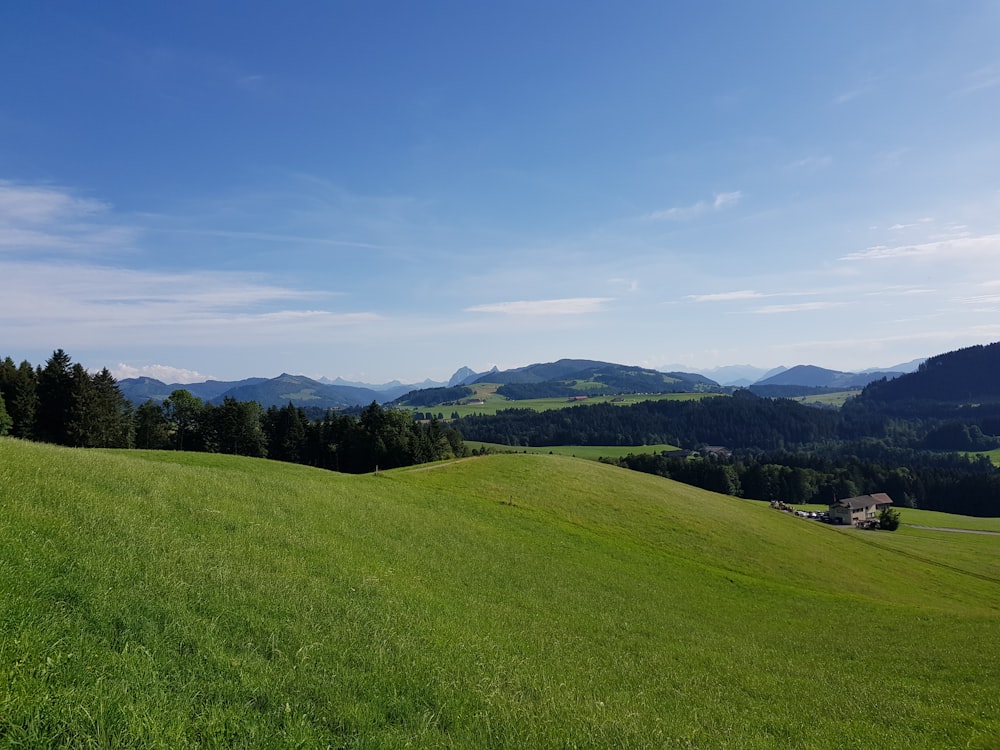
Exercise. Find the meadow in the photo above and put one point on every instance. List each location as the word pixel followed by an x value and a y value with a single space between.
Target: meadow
pixel 491 402
pixel 993 455
pixel 592 452
pixel 836 399
pixel 166 600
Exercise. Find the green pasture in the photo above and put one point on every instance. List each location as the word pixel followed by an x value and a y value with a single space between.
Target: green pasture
pixel 492 403
pixel 172 600
pixel 592 452
pixel 925 518
pixel 993 455
pixel 828 399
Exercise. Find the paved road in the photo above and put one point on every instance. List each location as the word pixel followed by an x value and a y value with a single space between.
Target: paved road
pixel 957 531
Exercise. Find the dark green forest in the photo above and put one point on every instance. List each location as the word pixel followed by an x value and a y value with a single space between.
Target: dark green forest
pixel 60 402
pixel 947 482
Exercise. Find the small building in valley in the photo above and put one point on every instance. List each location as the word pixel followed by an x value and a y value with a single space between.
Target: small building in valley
pixel 859 510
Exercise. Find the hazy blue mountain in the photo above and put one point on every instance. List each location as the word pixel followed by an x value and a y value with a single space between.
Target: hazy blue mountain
pixel 738 375
pixel 912 366
pixel 463 376
pixel 819 377
pixel 143 389
pixel 389 391
pixel 302 391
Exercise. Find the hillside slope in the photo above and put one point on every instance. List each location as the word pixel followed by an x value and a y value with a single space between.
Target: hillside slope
pixel 967 375
pixel 169 599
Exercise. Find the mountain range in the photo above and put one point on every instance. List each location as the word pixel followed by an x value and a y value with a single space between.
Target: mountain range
pixel 338 393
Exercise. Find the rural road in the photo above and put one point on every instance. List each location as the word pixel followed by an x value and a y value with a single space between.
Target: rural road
pixel 957 531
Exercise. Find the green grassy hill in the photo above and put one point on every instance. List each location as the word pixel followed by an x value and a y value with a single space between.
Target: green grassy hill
pixel 192 600
pixel 485 400
pixel 592 452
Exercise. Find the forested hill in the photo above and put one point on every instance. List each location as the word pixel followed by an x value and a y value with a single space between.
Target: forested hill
pixel 572 377
pixel 741 421
pixel 964 376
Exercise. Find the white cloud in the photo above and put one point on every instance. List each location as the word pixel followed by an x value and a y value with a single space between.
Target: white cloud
pixel 954 248
pixel 987 77
pixel 40 204
pixel 726 296
pixel 796 308
pixel 163 373
pixel 899 291
pixel 810 163
pixel 569 306
pixel 924 220
pixel 281 238
pixel 724 200
pixel 848 96
pixel 685 213
pixel 42 218
pixel 63 303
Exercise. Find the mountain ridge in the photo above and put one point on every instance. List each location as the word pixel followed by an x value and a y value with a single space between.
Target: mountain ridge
pixel 341 393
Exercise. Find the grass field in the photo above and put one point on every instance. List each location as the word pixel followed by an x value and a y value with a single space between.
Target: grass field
pixel 592 452
pixel 492 403
pixel 828 399
pixel 993 455
pixel 165 600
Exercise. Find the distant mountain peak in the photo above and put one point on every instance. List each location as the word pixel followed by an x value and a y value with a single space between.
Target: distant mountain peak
pixel 462 376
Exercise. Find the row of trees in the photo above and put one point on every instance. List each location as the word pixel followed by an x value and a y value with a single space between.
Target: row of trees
pixel 378 438
pixel 62 403
pixel 743 421
pixel 945 482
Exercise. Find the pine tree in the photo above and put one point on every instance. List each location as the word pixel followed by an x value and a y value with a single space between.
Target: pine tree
pixel 81 426
pixel 150 426
pixel 18 385
pixel 55 399
pixel 183 412
pixel 5 421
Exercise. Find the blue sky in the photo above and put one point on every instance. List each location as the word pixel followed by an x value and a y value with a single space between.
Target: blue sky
pixel 396 189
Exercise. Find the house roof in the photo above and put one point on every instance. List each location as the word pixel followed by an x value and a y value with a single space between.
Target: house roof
pixel 863 501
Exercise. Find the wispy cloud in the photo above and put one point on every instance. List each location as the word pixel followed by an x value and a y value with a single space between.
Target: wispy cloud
pixel 987 77
pixel 726 296
pixel 980 300
pixel 849 96
pixel 955 248
pixel 900 292
pixel 36 218
pixel 720 201
pixel 919 222
pixel 810 164
pixel 796 308
pixel 35 204
pixel 569 306
pixel 272 237
pixel 864 85
pixel 97 303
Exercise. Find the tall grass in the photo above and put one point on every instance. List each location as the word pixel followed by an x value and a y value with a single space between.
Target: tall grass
pixel 190 600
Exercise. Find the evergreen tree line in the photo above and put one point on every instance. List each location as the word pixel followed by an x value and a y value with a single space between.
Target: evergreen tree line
pixel 740 421
pixel 62 403
pixel 743 421
pixel 945 482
